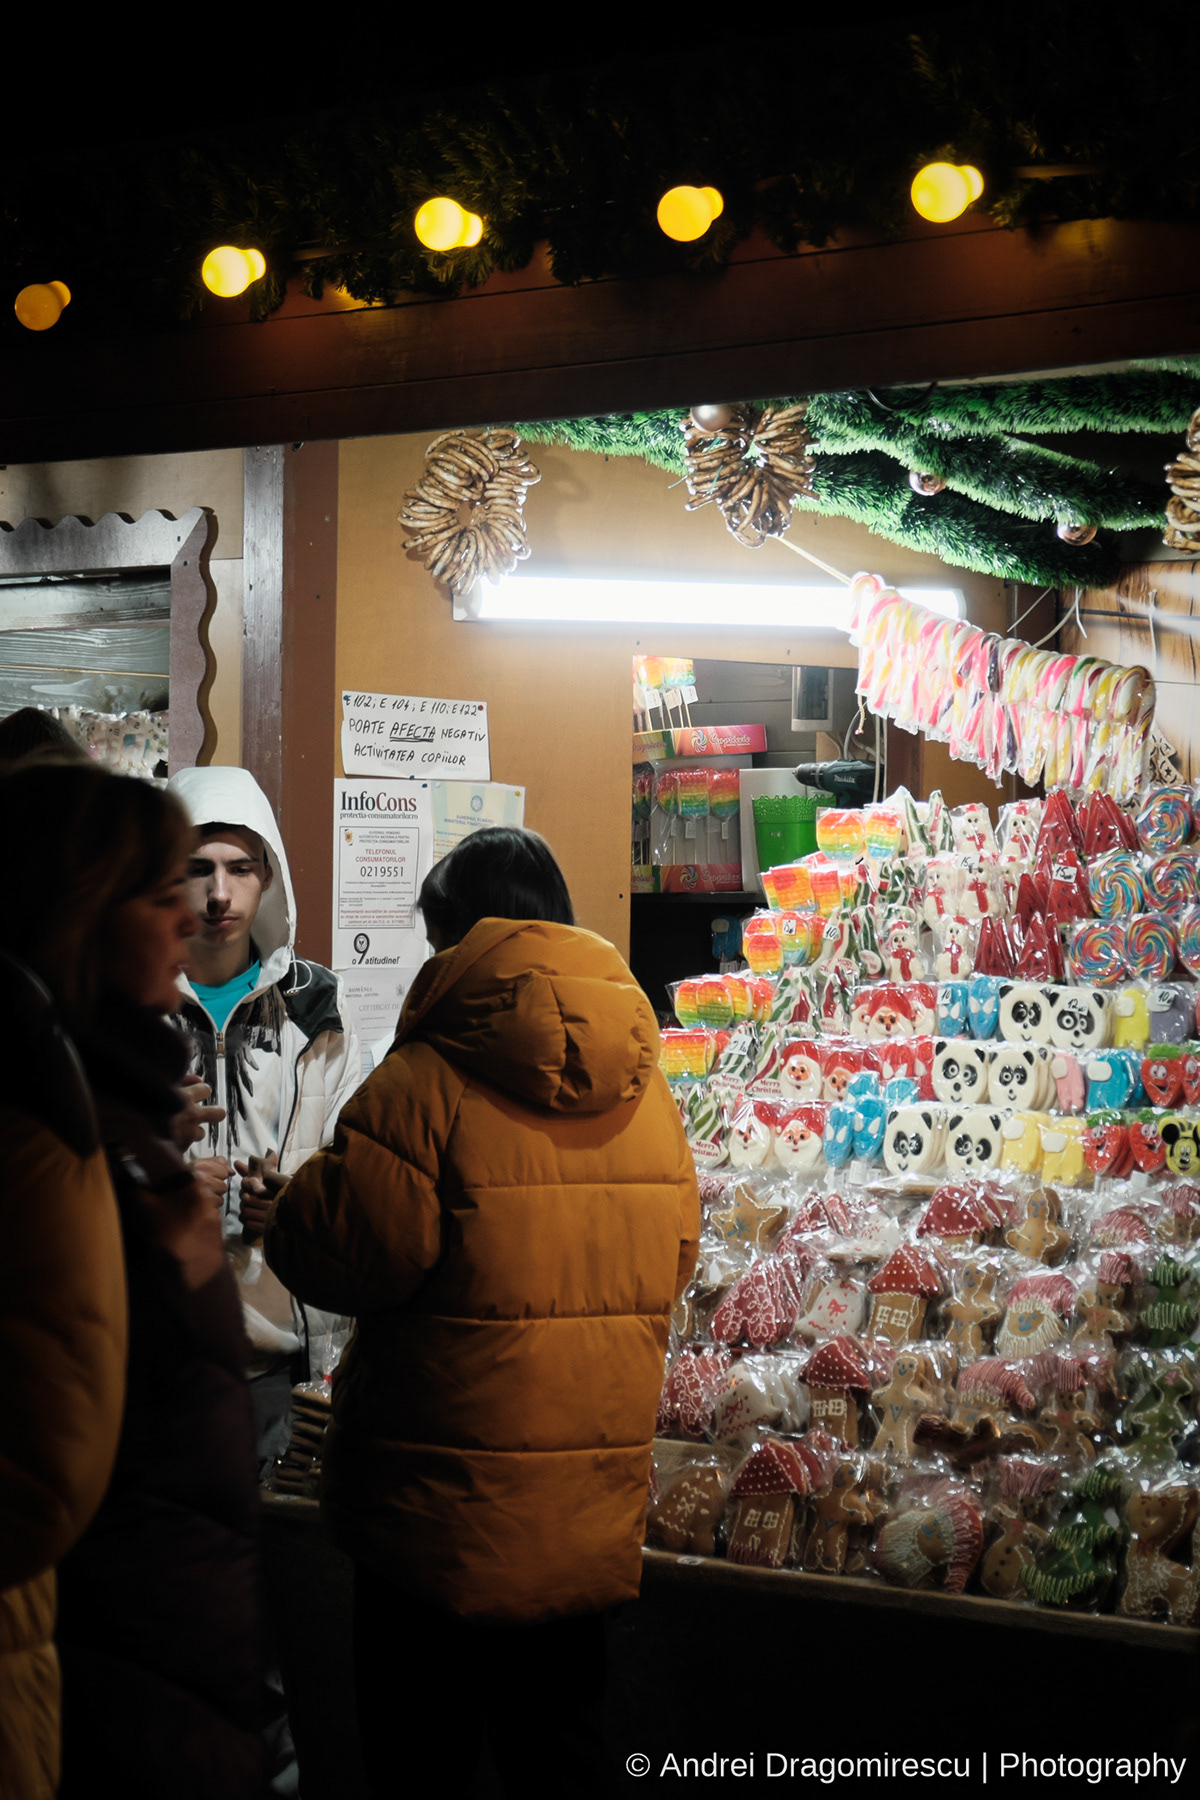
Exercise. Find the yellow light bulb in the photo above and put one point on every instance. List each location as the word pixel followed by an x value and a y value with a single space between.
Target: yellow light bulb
pixel 941 191
pixel 39 306
pixel 228 271
pixel 716 200
pixel 974 179
pixel 472 231
pixel 62 290
pixel 685 213
pixel 440 224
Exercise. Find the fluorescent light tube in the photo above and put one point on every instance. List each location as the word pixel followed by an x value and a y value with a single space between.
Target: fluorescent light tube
pixel 584 601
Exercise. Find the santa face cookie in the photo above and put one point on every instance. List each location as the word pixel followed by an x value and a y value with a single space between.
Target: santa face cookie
pixel 800 1141
pixel 960 1071
pixel 800 1074
pixel 1025 1012
pixel 750 1139
pixel 1080 1018
pixel 1015 1077
pixel 973 1141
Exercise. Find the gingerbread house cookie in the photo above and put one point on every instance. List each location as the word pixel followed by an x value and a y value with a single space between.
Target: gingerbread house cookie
pixel 901 1292
pixel 837 1377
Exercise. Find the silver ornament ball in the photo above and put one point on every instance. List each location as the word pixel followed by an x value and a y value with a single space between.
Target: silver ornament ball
pixel 925 484
pixel 1076 534
pixel 711 418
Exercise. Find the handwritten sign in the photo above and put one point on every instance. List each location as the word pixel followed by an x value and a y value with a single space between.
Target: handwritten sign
pixel 413 736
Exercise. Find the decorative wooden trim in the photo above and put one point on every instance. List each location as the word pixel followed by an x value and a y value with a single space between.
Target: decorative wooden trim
pixel 262 621
pixel 156 540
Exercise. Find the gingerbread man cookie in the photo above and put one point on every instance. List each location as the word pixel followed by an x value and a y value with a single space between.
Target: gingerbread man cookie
pixel 1039 1235
pixel 834 1514
pixel 900 1404
pixel 973 1309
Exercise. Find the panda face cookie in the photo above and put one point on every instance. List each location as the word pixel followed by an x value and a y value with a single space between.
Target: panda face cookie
pixel 974 1140
pixel 960 1071
pixel 912 1140
pixel 1025 1012
pixel 1015 1078
pixel 1080 1018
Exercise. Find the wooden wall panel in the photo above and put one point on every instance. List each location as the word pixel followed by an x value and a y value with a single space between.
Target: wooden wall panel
pixel 1152 616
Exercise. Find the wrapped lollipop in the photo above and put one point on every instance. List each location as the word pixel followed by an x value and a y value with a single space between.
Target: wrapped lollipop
pixel 994 951
pixel 1115 885
pixel 826 883
pixel 1171 880
pixel 761 990
pixel 761 945
pixel 1187 931
pixel 1040 957
pixel 1150 946
pixel 686 999
pixel 841 833
pixel 800 936
pixel 956 948
pixel 712 1001
pixel 1096 954
pixel 796 1001
pixel 1164 819
pixel 972 827
pixel 1067 897
pixel 738 990
pixel 724 793
pixel 884 834
pixel 687 1055
pixel 791 888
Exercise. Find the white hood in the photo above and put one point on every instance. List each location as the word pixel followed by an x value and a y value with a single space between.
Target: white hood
pixel 233 797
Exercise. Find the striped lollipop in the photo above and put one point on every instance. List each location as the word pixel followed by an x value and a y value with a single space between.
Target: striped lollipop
pixel 1150 946
pixel 1164 818
pixel 1115 885
pixel 1096 956
pixel 1171 880
pixel 1187 930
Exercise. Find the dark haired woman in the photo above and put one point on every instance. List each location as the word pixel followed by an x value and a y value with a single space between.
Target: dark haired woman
pixel 509 1209
pixel 158 1628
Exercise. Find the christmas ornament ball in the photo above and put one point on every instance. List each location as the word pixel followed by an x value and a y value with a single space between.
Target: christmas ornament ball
pixel 1076 534
pixel 925 484
pixel 711 418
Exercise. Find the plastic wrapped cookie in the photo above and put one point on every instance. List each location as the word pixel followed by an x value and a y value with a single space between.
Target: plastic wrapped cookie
pixel 960 1071
pixel 751 1136
pixel 1015 1077
pixel 1080 1018
pixel 983 1005
pixel 1025 1013
pixel 952 999
pixel 1172 1012
pixel 800 1073
pixel 1022 1146
pixel 913 1140
pixel 800 1139
pixel 974 1140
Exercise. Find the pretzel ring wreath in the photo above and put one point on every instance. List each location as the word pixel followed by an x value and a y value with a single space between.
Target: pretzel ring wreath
pixel 753 467
pixel 1183 479
pixel 466 513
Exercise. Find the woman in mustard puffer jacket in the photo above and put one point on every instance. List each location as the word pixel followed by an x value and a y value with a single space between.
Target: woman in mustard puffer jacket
pixel 509 1209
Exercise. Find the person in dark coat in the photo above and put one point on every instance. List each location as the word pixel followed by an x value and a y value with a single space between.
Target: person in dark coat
pixel 159 1631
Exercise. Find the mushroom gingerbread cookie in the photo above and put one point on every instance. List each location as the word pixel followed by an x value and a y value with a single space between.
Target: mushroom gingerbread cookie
pixel 943 1330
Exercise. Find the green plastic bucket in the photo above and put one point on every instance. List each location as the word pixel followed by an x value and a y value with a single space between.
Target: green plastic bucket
pixel 785 826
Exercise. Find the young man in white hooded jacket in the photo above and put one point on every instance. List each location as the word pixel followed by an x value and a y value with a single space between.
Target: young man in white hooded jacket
pixel 271 1037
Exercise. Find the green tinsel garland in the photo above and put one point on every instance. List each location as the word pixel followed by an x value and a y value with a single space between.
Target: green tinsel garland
pixel 1003 496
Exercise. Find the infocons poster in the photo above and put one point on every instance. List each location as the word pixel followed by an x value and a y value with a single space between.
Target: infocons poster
pixel 382 852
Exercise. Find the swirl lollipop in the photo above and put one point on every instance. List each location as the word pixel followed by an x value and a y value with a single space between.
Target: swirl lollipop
pixel 1097 954
pixel 1171 880
pixel 1187 930
pixel 1150 946
pixel 1164 819
pixel 1115 885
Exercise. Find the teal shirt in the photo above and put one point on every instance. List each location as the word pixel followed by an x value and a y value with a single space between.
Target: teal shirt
pixel 220 1001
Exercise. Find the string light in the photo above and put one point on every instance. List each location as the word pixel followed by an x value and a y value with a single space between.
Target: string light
pixel 443 224
pixel 685 213
pixel 941 191
pixel 227 270
pixel 40 305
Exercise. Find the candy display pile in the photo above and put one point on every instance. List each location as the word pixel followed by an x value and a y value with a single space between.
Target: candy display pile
pixel 944 1329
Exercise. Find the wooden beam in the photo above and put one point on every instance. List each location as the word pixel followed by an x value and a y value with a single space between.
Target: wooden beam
pixel 965 301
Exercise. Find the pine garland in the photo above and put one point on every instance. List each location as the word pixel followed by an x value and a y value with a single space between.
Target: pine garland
pixel 1004 495
pixel 578 160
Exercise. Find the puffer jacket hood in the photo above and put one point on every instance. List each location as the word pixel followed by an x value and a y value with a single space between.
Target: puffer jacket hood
pixel 233 797
pixel 545 1012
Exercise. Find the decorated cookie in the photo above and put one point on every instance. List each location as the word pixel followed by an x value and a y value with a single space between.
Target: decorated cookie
pixel 934 1544
pixel 983 1005
pixel 952 999
pixel 1039 1235
pixel 1080 1019
pixel 1159 1519
pixel 974 1141
pixel 1070 1084
pixel 774 1479
pixel 800 1139
pixel 1110 1082
pixel 835 1308
pixel 901 1291
pixel 1181 1137
pixel 912 1140
pixel 1025 1012
pixel 1025 1488
pixel 907 1396
pixel 1131 1018
pixel 1062 1153
pixel 1033 1321
pixel 1022 1146
pixel 848 1506
pixel 972 1311
pixel 1172 1012
pixel 1162 1075
pixel 748 1217
pixel 686 1516
pixel 800 1073
pixel 960 1071
pixel 837 1378
pixel 955 959
pixel 1015 1076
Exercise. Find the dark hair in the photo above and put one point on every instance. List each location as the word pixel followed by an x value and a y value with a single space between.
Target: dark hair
pixel 502 872
pixel 214 827
pixel 32 732
pixel 90 841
